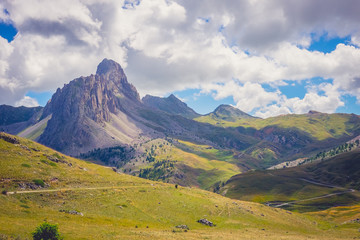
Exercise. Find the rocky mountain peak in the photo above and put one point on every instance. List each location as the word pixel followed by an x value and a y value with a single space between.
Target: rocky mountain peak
pixel 108 66
pixel 172 97
pixel 88 101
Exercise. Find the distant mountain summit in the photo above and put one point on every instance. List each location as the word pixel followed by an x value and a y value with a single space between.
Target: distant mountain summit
pixel 171 105
pixel 229 113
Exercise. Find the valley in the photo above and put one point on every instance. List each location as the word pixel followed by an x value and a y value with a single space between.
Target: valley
pixel 88 201
pixel 308 188
pixel 104 163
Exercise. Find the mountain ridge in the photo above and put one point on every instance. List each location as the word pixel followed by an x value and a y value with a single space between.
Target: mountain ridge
pixel 15 119
pixel 170 104
pixel 229 113
pixel 104 111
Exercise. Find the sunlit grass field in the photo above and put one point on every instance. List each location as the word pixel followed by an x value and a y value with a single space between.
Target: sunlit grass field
pixel 119 206
pixel 320 126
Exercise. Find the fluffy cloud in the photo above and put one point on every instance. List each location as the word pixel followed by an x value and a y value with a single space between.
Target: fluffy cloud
pixel 252 97
pixel 324 97
pixel 226 48
pixel 27 102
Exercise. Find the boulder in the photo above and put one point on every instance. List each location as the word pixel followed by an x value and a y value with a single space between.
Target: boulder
pixel 206 222
pixel 183 226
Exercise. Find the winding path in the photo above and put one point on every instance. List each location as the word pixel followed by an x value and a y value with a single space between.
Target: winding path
pixel 314 198
pixel 75 189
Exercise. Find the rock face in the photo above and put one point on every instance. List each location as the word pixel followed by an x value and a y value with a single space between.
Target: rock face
pixel 170 105
pixel 84 105
pixel 94 96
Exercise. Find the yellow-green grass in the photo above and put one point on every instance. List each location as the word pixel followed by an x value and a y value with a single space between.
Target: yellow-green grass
pixel 207 151
pixel 320 126
pixel 262 186
pixel 265 154
pixel 202 165
pixel 336 175
pixel 35 134
pixel 341 215
pixel 209 165
pixel 119 206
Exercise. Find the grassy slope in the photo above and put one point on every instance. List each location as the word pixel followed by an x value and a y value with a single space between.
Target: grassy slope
pixel 201 165
pixel 320 126
pixel 210 165
pixel 124 202
pixel 341 215
pixel 286 185
pixel 33 132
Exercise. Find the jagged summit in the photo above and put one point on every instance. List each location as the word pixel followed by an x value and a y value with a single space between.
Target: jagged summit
pixel 107 66
pixel 85 104
pixel 172 97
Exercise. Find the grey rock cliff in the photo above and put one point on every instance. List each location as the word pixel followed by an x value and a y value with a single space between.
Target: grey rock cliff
pixel 84 100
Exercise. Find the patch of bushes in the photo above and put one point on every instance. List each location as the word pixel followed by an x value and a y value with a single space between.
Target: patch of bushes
pixel 48 163
pixel 57 155
pixel 25 165
pixel 161 170
pixel 113 156
pixel 47 231
pixel 52 164
pixel 39 182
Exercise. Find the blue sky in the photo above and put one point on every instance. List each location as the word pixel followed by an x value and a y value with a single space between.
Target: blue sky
pixel 205 56
pixel 204 103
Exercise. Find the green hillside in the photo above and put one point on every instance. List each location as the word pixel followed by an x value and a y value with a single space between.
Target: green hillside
pixel 89 201
pixel 320 126
pixel 181 162
pixel 305 186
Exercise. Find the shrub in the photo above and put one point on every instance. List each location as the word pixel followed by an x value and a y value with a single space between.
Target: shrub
pixel 46 231
pixel 39 182
pixel 25 165
pixel 52 164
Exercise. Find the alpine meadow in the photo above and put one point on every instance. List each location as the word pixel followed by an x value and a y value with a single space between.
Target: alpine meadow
pixel 172 119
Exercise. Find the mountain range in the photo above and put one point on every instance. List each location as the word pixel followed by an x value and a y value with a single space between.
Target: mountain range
pixel 102 120
pixel 103 114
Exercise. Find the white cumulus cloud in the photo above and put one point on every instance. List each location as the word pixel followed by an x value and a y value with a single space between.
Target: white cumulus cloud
pixel 226 48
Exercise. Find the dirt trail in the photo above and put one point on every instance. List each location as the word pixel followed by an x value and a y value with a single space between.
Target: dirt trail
pixel 76 189
pixel 314 198
pixel 319 197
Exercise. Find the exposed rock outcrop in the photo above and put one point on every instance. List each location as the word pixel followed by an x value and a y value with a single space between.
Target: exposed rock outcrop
pixel 81 108
pixel 206 222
